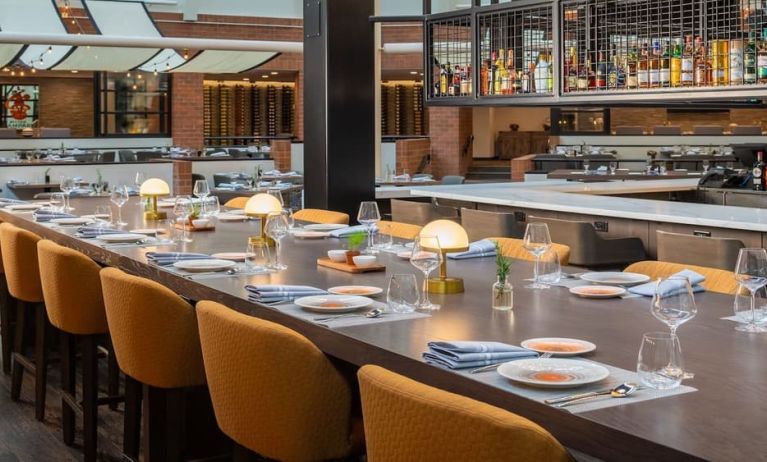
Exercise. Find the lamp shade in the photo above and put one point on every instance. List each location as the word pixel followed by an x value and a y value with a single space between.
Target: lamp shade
pixel 262 204
pixel 452 237
pixel 154 187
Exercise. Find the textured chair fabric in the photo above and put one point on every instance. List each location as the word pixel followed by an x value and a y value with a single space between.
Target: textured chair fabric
pixel 515 248
pixel 399 230
pixel 406 420
pixel 142 315
pixel 237 202
pixel 20 262
pixel 72 290
pixel 717 280
pixel 322 216
pixel 480 224
pixel 273 391
pixel 420 213
pixel 687 249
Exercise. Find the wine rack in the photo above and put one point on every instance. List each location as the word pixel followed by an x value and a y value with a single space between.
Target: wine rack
pixel 402 110
pixel 449 58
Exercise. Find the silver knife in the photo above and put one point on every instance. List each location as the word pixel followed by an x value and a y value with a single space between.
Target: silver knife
pixel 563 399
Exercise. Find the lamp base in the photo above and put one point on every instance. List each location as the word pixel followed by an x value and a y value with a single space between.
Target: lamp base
pixel 445 286
pixel 152 215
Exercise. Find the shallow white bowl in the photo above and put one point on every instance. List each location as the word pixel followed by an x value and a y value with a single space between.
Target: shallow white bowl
pixel 338 256
pixel 363 261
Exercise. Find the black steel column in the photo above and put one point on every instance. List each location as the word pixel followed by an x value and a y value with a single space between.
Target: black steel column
pixel 339 104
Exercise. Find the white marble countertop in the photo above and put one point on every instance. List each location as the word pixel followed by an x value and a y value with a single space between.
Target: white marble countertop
pixel 589 199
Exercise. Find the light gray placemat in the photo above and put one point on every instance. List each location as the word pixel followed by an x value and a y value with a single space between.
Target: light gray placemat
pixel 569 283
pixel 617 376
pixel 297 311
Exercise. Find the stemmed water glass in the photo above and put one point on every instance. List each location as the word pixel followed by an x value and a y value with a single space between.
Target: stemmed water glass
pixel 674 302
pixel 426 256
pixel 369 215
pixel 537 241
pixel 201 189
pixel 67 185
pixel 211 207
pixel 183 208
pixel 119 197
pixel 277 228
pixel 751 273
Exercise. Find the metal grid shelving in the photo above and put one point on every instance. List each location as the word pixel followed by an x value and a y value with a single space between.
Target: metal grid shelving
pixel 449 58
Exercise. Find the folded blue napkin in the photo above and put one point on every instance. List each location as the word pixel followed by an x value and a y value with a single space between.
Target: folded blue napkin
pixel 343 232
pixel 169 258
pixel 45 215
pixel 233 186
pixel 670 288
pixel 4 201
pixel 461 355
pixel 483 248
pixel 87 232
pixel 277 293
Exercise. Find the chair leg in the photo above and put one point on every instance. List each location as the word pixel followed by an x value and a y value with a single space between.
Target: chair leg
pixel 41 361
pixel 90 398
pixel 132 418
pixel 113 376
pixel 163 424
pixel 18 349
pixel 6 324
pixel 68 386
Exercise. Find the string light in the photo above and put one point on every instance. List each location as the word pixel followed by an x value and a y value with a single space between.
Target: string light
pixel 186 54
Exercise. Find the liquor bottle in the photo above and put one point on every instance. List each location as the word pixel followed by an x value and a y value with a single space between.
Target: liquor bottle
pixel 542 75
pixel 442 81
pixel 676 63
pixel 719 52
pixel 511 68
pixel 484 73
pixel 749 60
pixel 583 76
pixel 499 73
pixel 702 65
pixel 464 82
pixel 592 75
pixel 736 62
pixel 450 81
pixel 688 63
pixel 632 62
pixel 526 84
pixel 572 74
pixel 516 82
pixel 469 81
pixel 601 74
pixel 655 64
pixel 758 172
pixel 643 73
pixel 761 59
pixel 665 66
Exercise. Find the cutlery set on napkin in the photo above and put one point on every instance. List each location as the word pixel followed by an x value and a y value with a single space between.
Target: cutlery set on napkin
pixel 483 248
pixel 46 215
pixel 169 258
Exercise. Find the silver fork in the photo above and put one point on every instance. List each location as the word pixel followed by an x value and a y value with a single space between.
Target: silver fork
pixel 493 367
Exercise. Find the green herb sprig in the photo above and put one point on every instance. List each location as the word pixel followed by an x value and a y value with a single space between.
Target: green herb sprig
pixel 502 263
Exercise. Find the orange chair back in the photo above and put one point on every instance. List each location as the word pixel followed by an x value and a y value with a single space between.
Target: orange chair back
pixel 322 216
pixel 154 331
pixel 19 254
pixel 273 391
pixel 514 248
pixel 237 203
pixel 717 280
pixel 399 230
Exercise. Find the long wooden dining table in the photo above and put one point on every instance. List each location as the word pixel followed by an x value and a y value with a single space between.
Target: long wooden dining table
pixel 723 420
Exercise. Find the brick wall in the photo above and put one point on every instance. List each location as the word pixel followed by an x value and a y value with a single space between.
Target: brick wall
pixel 281 154
pixel 187 110
pixel 449 130
pixel 182 177
pixel 653 116
pixel 410 153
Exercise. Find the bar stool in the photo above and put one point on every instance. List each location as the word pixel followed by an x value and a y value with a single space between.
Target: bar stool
pixel 515 248
pixel 399 230
pixel 155 338
pixel 274 392
pixel 19 254
pixel 7 320
pixel 322 216
pixel 717 280
pixel 398 412
pixel 72 292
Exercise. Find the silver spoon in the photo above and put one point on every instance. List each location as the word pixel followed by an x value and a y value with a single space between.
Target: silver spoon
pixel 372 314
pixel 621 391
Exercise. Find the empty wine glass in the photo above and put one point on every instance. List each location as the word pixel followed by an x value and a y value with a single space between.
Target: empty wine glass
pixel 277 228
pixel 659 364
pixel 402 294
pixel 201 189
pixel 103 216
pixel 139 179
pixel 211 207
pixel 67 185
pixel 119 197
pixel 613 167
pixel 751 273
pixel 537 241
pixel 369 215
pixel 289 216
pixel 586 165
pixel 674 302
pixel 58 201
pixel 742 306
pixel 183 208
pixel 426 256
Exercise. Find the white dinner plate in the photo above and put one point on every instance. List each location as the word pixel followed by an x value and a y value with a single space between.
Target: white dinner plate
pixel 324 227
pixel 615 278
pixel 559 346
pixel 233 256
pixel 232 217
pixel 24 207
pixel 204 265
pixel 553 372
pixel 363 291
pixel 127 238
pixel 598 291
pixel 333 303
pixel 71 221
pixel 310 234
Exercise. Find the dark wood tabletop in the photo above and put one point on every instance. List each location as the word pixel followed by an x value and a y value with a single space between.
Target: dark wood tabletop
pixel 593 176
pixel 724 420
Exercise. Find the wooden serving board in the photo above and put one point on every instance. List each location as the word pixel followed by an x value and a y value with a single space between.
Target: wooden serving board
pixel 328 263
pixel 192 229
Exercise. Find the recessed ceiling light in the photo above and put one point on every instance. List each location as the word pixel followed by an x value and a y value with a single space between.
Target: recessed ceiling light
pixel 75 71
pixel 247 79
pixel 264 76
pixel 413 72
pixel 274 72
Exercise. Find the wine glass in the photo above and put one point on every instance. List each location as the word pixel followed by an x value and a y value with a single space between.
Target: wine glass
pixel 659 364
pixel 119 197
pixel 277 228
pixel 426 256
pixel 211 207
pixel 369 215
pixel 537 241
pixel 751 273
pixel 586 165
pixel 67 185
pixel 402 293
pixel 742 306
pixel 257 255
pixel 201 189
pixel 289 216
pixel 183 208
pixel 674 302
pixel 613 167
pixel 58 201
pixel 139 179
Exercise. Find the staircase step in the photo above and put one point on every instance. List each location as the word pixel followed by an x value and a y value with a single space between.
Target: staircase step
pixel 483 169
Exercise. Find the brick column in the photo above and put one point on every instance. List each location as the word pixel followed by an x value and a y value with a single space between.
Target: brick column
pixel 187 110
pixel 182 177
pixel 410 153
pixel 281 154
pixel 449 130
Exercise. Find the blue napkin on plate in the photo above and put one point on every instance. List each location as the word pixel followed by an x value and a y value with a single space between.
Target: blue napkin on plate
pixel 276 293
pixel 343 232
pixel 483 248
pixel 87 232
pixel 169 258
pixel 465 354
pixel 648 289
pixel 45 215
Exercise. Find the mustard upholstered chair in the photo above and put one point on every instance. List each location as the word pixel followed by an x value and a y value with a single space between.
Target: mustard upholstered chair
pixel 75 305
pixel 398 412
pixel 717 280
pixel 237 202
pixel 141 315
pixel 322 216
pixel 7 320
pixel 286 401
pixel 399 230
pixel 19 254
pixel 514 248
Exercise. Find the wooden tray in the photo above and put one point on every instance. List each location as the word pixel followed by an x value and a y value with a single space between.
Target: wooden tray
pixel 328 263
pixel 192 229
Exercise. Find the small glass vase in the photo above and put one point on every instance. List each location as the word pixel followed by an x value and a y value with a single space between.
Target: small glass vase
pixel 503 295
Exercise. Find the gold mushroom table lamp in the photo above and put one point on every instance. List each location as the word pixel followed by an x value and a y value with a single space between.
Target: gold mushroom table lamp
pixel 153 188
pixel 452 238
pixel 260 206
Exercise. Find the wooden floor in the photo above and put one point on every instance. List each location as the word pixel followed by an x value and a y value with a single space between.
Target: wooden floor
pixel 24 439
